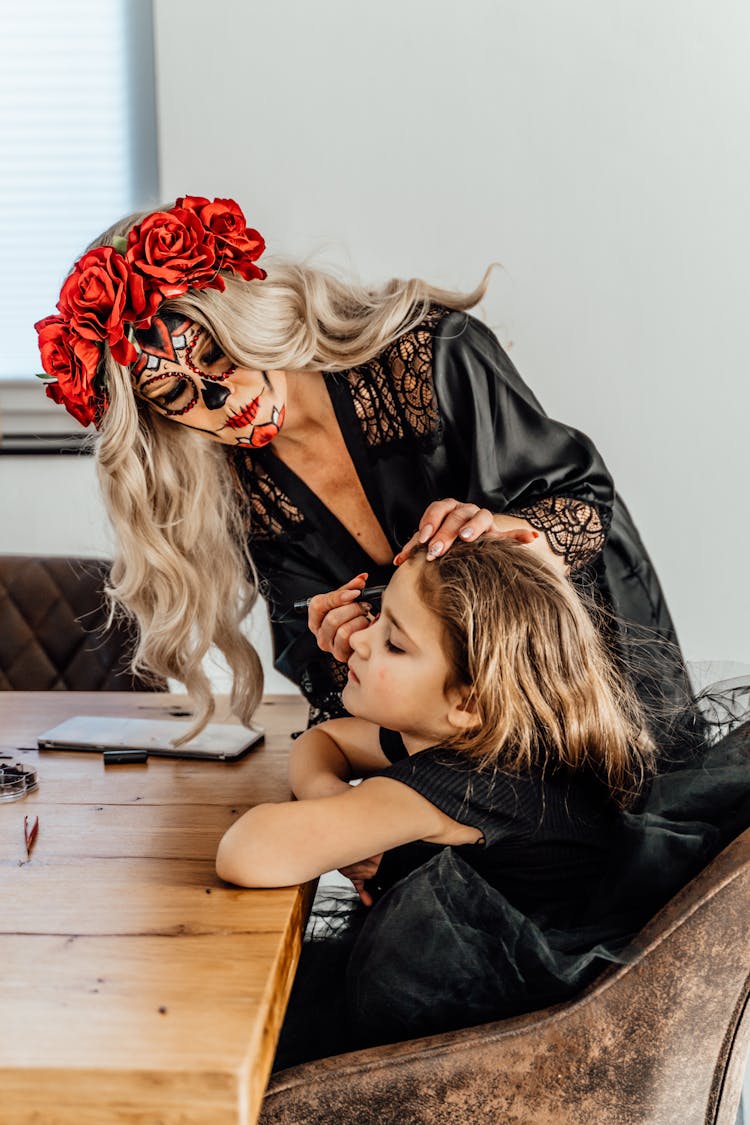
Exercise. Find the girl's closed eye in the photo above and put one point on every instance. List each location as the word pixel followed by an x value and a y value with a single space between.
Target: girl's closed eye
pixel 389 644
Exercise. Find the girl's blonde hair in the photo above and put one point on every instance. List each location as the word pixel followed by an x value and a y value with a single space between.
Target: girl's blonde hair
pixel 521 639
pixel 182 569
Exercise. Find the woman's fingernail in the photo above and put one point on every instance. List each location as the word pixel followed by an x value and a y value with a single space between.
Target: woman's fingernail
pixel 350 595
pixel 425 533
pixel 397 559
pixel 435 550
pixel 467 533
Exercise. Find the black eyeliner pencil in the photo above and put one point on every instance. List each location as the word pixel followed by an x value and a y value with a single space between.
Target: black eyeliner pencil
pixel 368 592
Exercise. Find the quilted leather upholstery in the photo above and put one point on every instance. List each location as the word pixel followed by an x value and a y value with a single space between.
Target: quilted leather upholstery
pixel 661 1041
pixel 53 631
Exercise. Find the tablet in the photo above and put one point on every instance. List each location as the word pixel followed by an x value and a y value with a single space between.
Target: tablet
pixel 217 741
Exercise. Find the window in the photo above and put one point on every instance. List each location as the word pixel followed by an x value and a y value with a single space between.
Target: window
pixel 78 137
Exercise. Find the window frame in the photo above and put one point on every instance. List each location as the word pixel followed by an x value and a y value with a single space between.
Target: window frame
pixel 29 421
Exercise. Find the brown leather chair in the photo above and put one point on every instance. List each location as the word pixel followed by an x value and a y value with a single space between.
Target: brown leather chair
pixel 53 628
pixel 661 1041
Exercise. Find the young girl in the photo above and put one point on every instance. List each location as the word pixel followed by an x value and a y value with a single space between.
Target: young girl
pixel 499 749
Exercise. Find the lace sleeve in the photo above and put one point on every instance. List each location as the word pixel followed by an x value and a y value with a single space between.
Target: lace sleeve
pixel 322 682
pixel 574 529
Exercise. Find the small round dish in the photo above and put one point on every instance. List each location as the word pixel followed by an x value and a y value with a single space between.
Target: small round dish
pixel 17 782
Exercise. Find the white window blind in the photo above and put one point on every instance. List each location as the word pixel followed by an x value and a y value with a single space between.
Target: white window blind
pixel 77 139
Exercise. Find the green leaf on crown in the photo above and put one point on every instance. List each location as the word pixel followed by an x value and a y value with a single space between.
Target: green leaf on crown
pixel 120 244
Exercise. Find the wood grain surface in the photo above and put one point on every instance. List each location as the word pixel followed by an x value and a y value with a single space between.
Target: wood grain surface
pixel 136 986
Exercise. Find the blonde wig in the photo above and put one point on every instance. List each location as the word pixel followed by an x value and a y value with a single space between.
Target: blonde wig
pixel 182 570
pixel 526 647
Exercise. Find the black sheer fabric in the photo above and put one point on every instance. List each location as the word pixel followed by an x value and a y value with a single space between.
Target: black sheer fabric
pixel 443 412
pixel 452 941
pixel 574 530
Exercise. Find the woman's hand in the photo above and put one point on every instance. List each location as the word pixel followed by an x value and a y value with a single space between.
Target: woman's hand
pixel 444 521
pixel 333 617
pixel 359 873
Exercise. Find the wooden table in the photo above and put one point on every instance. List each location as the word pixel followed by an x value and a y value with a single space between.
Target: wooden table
pixel 135 986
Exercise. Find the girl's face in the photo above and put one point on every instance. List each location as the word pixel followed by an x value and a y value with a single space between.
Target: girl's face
pixel 183 374
pixel 398 670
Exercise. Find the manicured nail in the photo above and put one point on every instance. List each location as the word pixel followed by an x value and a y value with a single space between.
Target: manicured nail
pixel 397 559
pixel 425 533
pixel 467 533
pixel 435 550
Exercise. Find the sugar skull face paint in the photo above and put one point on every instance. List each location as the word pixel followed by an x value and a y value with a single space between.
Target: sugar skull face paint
pixel 183 374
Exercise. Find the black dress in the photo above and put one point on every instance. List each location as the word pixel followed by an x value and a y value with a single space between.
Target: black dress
pixel 443 412
pixel 553 893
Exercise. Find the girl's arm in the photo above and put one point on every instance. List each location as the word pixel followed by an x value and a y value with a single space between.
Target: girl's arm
pixel 325 758
pixel 280 845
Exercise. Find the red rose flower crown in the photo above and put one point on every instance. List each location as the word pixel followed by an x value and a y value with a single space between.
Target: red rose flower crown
pixel 113 290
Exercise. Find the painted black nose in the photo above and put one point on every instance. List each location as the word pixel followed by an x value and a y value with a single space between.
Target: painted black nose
pixel 215 394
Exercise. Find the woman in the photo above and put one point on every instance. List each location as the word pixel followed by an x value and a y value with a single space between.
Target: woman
pixel 320 423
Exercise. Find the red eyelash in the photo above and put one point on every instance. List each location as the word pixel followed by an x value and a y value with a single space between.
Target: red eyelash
pixel 183 409
pixel 196 370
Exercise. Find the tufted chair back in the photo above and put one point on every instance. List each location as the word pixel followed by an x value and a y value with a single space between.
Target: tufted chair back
pixel 660 1041
pixel 53 631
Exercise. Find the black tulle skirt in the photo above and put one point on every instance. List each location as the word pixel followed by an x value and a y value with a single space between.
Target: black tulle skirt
pixel 443 949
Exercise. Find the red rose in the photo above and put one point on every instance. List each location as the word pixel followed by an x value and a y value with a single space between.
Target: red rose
pixel 192 203
pixel 101 297
pixel 237 245
pixel 83 414
pixel 73 361
pixel 174 252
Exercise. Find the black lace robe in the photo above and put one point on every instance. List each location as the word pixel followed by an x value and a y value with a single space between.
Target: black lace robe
pixel 443 412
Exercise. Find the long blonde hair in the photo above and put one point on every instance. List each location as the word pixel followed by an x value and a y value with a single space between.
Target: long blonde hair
pixel 524 643
pixel 182 569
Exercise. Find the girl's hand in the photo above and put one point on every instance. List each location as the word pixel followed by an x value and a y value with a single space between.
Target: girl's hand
pixel 444 521
pixel 359 873
pixel 333 617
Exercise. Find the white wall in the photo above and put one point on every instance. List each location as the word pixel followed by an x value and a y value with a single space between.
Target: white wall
pixel 598 149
